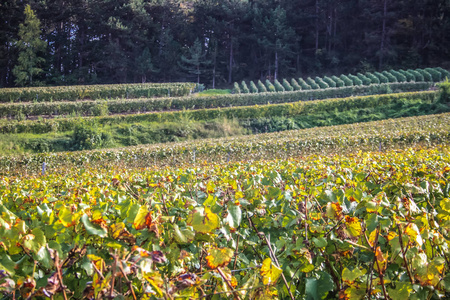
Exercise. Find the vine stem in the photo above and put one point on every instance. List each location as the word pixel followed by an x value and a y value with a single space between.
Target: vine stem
pixel 59 272
pixel 130 286
pixel 403 252
pixel 263 237
pixel 229 284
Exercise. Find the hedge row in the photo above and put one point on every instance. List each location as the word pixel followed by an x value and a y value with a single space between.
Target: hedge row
pixel 245 112
pixel 79 92
pixel 391 76
pixel 20 111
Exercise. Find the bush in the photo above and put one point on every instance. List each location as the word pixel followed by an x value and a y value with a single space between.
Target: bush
pixel 312 83
pixel 355 79
pixel 85 137
pixel 270 86
pixel 304 85
pixel 278 86
pixel 295 85
pixel 417 75
pixel 389 76
pixel 253 88
pixel 261 87
pixel 287 86
pixel 329 81
pixel 321 83
pixel 409 76
pixel 339 82
pixel 364 79
pixel 426 76
pixel 444 73
pixel 399 76
pixel 435 75
pixel 381 77
pixel 373 79
pixel 236 89
pixel 444 92
pixel 347 81
pixel 244 89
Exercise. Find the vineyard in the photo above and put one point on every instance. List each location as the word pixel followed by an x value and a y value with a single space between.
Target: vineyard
pixel 340 191
pixel 391 76
pixel 368 224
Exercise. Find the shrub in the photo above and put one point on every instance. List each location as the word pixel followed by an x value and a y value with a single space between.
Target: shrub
pixel 312 83
pixel 409 76
pixel 253 88
pixel 244 89
pixel 347 81
pixel 261 87
pixel 399 76
pixel 355 79
pixel 417 75
pixel 304 85
pixel 339 82
pixel 373 79
pixel 85 137
pixel 236 89
pixel 444 92
pixel 278 86
pixel 321 83
pixel 444 73
pixel 435 75
pixel 329 81
pixel 381 77
pixel 364 79
pixel 389 76
pixel 426 76
pixel 270 86
pixel 295 85
pixel 287 86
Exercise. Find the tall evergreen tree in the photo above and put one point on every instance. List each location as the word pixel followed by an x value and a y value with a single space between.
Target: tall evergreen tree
pixel 195 61
pixel 30 48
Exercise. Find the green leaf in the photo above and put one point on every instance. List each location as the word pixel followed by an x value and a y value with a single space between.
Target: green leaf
pixel 234 217
pixel 93 229
pixel 372 222
pixel 43 256
pixel 318 288
pixel 350 276
pixel 402 290
pixel 35 240
pixel 320 242
pixel 183 236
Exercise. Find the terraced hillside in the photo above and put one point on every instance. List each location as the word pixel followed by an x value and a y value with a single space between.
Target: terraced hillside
pixel 109 123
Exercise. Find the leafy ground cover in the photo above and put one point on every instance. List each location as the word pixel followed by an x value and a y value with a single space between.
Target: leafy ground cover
pixel 426 131
pixel 344 226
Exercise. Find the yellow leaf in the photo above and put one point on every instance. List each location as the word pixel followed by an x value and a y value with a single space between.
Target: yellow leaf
pixel 413 232
pixel 204 222
pixel 270 272
pixel 219 257
pixel 353 226
pixel 116 229
pixel 143 218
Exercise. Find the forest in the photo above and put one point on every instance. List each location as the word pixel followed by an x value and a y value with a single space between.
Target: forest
pixel 67 42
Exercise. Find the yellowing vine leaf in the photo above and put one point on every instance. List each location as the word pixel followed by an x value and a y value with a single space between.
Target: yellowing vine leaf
pixel 270 272
pixel 219 257
pixel 204 222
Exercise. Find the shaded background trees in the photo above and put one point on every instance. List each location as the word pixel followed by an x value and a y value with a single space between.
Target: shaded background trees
pixel 96 41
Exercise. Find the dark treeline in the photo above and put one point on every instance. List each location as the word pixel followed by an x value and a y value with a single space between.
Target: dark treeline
pixel 215 42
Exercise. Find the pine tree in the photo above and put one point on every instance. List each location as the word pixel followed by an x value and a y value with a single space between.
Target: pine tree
pixel 30 48
pixel 195 61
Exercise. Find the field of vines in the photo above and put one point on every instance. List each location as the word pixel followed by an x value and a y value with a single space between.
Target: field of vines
pixel 426 131
pixel 392 76
pixel 367 225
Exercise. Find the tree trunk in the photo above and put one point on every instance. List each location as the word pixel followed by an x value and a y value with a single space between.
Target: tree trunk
pixel 317 25
pixel 383 36
pixel 275 75
pixel 214 66
pixel 230 71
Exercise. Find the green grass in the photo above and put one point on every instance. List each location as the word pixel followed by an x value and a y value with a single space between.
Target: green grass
pixel 214 92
